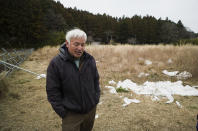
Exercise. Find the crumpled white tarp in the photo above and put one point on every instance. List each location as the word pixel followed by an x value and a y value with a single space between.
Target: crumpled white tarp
pixel 128 101
pixel 160 88
pixel 184 75
pixel 173 73
pixel 112 89
pixel 181 76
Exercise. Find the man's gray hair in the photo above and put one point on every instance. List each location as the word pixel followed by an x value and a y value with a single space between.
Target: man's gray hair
pixel 75 33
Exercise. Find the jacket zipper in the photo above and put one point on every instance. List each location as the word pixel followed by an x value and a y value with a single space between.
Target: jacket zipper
pixel 81 90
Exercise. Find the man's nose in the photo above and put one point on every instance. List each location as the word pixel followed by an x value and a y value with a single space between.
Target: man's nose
pixel 80 47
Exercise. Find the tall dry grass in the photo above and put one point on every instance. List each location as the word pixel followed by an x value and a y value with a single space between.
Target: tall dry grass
pixel 186 58
pixel 128 58
pixel 46 53
pixel 127 61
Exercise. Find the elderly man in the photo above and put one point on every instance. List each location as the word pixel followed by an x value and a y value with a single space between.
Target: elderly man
pixel 72 84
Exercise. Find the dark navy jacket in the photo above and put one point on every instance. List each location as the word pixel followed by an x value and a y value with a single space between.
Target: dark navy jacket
pixel 71 89
pixel 197 126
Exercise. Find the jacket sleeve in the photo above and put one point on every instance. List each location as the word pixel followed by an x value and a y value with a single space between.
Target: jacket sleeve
pixel 96 82
pixel 53 89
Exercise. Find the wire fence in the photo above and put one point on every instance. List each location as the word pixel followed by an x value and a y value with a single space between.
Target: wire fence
pixel 10 60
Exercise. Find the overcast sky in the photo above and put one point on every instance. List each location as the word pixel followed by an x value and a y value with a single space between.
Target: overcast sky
pixel 184 10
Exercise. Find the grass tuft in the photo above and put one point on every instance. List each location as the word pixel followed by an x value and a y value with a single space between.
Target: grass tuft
pixel 120 89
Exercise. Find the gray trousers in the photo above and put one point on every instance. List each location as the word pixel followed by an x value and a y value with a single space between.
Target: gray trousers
pixel 79 122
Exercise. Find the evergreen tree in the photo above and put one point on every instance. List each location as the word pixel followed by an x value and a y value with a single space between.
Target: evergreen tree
pixel 34 23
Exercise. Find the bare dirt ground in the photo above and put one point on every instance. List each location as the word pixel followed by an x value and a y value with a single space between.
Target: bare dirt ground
pixel 25 107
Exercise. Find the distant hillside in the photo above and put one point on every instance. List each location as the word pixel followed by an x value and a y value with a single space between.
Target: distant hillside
pixel 35 23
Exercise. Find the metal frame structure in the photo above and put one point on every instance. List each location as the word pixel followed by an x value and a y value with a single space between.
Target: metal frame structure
pixel 10 60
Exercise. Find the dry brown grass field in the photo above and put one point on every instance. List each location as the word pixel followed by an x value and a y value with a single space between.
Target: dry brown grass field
pixel 24 107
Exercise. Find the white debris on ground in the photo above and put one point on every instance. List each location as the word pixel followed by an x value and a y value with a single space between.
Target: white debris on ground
pixel 96 116
pixel 178 104
pixel 128 101
pixel 147 62
pixel 112 89
pixel 174 73
pixel 160 88
pixel 170 61
pixel 41 76
pixel 181 76
pixel 155 98
pixel 170 98
pixel 184 75
pixel 142 74
pixel 112 82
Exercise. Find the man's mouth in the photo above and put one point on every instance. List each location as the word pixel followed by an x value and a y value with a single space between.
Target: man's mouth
pixel 78 52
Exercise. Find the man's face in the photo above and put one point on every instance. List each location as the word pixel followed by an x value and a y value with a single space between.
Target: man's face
pixel 76 46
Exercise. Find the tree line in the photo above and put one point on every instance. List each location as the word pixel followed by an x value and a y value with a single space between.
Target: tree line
pixel 35 23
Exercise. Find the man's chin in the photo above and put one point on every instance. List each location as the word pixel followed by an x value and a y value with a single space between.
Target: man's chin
pixel 77 56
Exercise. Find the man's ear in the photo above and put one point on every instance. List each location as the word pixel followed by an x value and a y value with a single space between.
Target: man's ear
pixel 67 43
